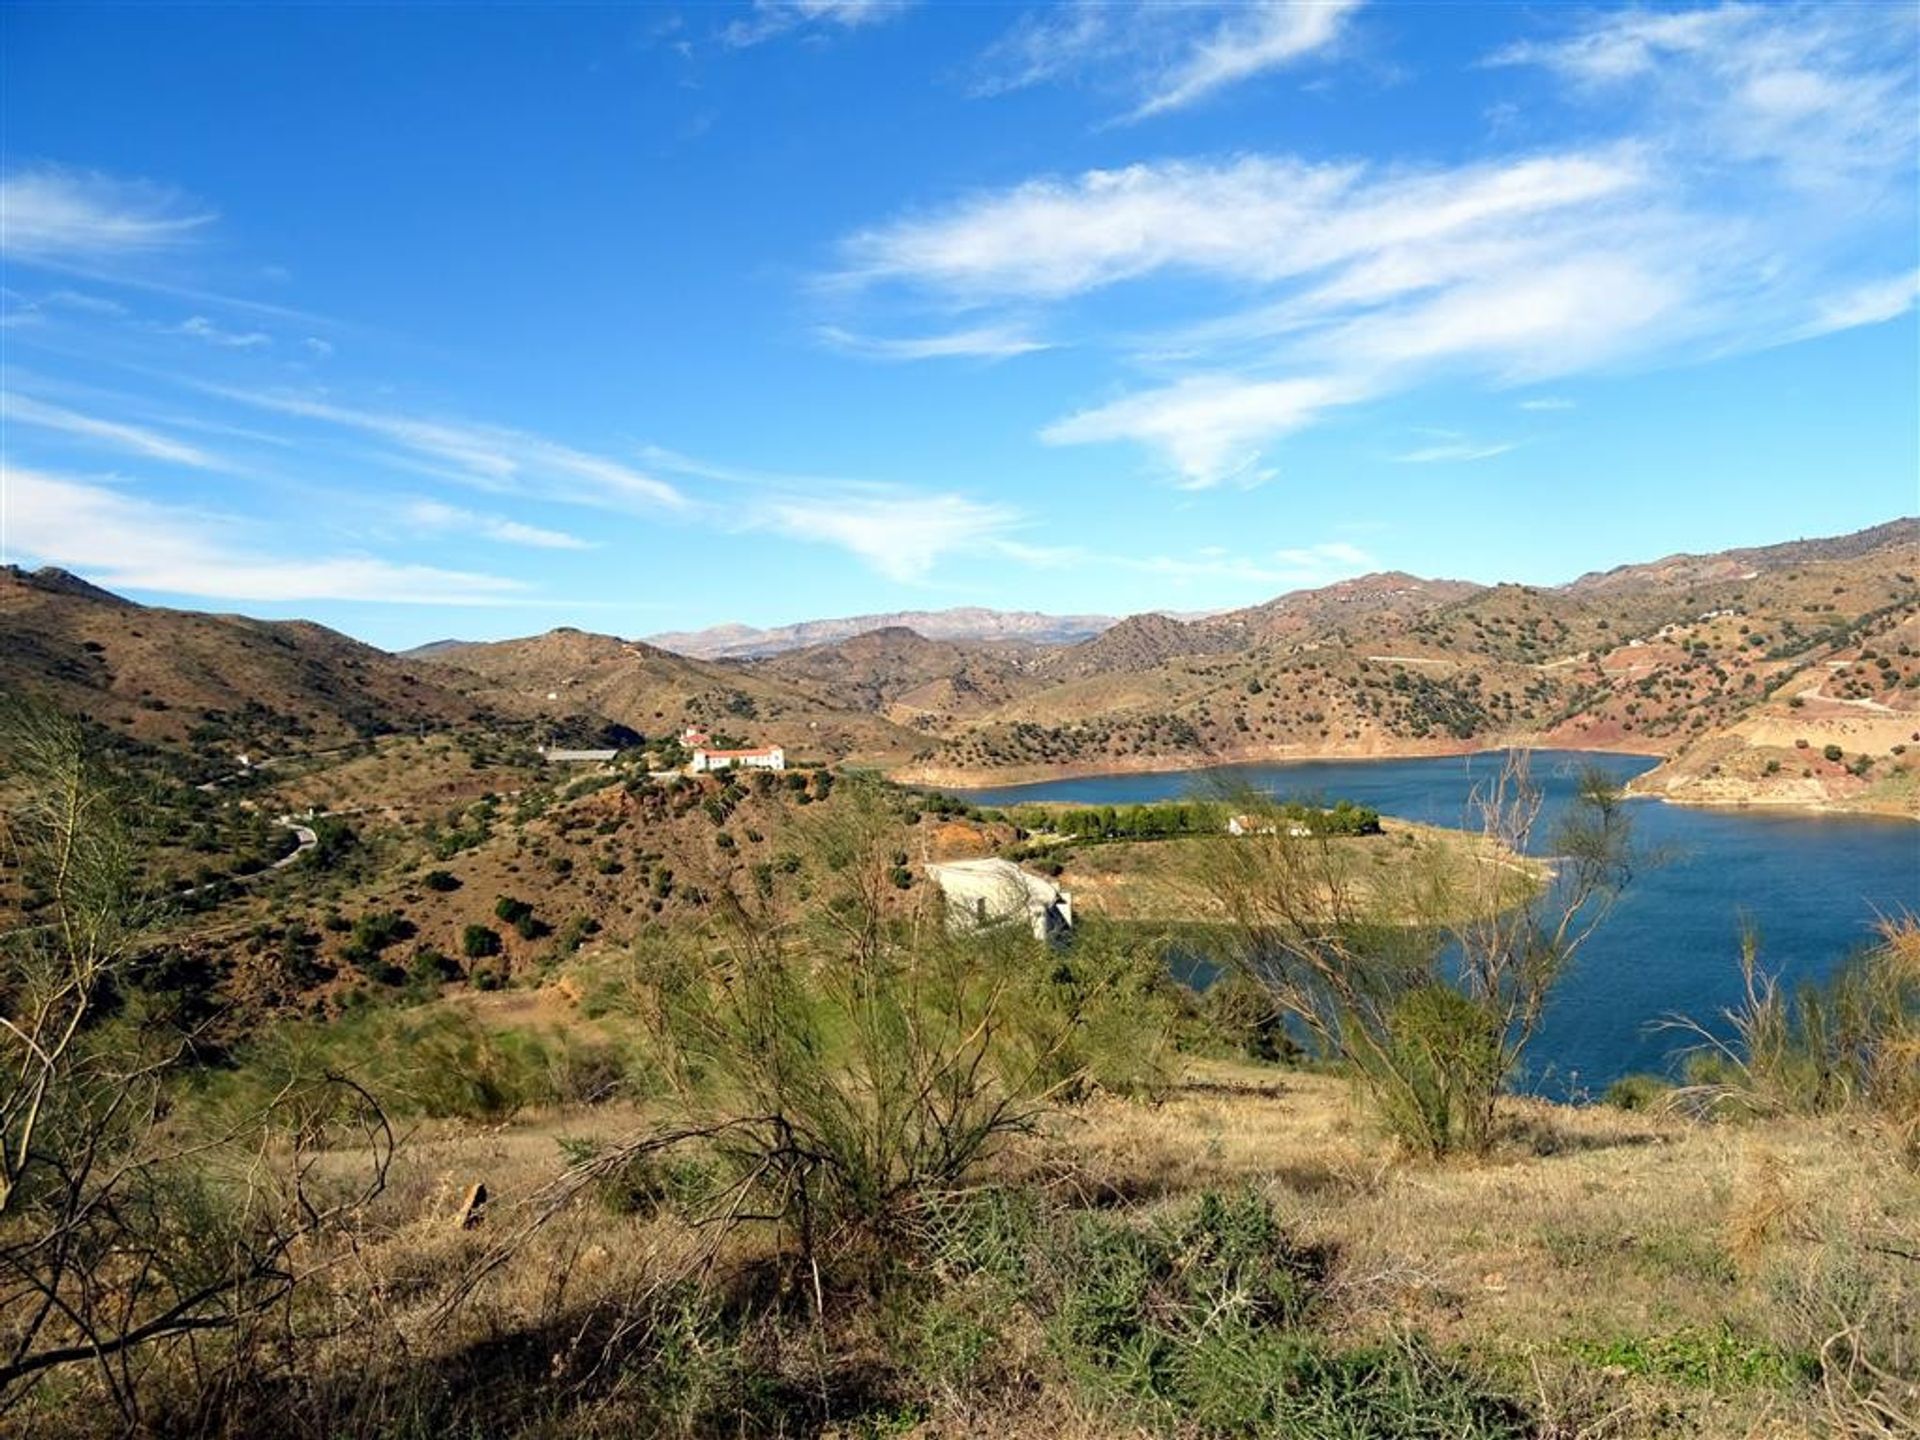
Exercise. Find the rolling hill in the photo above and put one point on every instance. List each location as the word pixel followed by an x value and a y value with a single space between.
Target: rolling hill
pixel 568 672
pixel 1739 668
pixel 222 682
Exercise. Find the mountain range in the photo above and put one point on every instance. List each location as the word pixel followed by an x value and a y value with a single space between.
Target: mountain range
pixel 1723 664
pixel 744 642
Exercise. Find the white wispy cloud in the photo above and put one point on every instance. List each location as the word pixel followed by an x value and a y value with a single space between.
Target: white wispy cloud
pixel 199 327
pixel 900 532
pixel 771 18
pixel 1252 39
pixel 985 342
pixel 1454 452
pixel 1212 429
pixel 493 457
pixel 129 543
pixel 1689 234
pixel 316 347
pixel 17 409
pixel 1547 402
pixel 1873 303
pixel 118 232
pixel 83 301
pixel 1292 567
pixel 1256 218
pixel 49 213
pixel 1165 56
pixel 1823 92
pixel 903 536
pixel 436 515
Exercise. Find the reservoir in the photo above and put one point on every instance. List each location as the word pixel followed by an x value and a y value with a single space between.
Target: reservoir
pixel 1812 886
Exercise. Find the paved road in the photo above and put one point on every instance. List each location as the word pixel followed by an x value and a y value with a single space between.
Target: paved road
pixel 302 832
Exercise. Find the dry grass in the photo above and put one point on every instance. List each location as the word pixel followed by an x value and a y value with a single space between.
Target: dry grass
pixel 1585 1225
pixel 1164 880
pixel 1587 1241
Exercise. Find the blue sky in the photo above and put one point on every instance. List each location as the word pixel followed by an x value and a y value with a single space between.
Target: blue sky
pixel 426 321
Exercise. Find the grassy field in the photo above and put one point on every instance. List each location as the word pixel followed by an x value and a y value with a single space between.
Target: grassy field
pixel 1600 1273
pixel 1165 880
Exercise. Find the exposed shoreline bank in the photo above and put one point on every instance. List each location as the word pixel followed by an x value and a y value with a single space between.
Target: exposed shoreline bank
pixel 939 778
pixel 971 782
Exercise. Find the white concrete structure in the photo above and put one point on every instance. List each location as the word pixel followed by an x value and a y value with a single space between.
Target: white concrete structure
pixel 561 757
pixel 772 758
pixel 1247 825
pixel 984 894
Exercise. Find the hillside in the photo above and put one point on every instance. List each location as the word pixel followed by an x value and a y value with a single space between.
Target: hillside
pixel 1670 659
pixel 653 692
pixel 1751 562
pixel 179 676
pixel 1740 668
pixel 971 623
pixel 911 679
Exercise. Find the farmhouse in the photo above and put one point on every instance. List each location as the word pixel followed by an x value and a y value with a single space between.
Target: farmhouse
pixel 771 758
pixel 1248 825
pixel 985 894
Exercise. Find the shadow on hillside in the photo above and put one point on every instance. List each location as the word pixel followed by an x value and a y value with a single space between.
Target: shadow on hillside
pixel 1540 1136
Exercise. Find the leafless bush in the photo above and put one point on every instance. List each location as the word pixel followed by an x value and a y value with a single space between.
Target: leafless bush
pixel 118 1236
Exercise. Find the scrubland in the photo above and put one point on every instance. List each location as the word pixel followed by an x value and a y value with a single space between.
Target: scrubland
pixel 804 1163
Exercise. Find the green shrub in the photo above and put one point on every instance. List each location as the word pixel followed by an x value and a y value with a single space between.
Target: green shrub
pixel 479 941
pixel 1638 1092
pixel 1850 1043
pixel 849 1070
pixel 1197 1324
pixel 1428 977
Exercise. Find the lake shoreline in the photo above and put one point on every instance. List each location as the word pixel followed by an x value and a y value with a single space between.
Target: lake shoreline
pixel 1814 886
pixel 966 780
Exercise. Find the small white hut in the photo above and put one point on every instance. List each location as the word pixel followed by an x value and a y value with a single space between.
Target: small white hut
pixel 985 894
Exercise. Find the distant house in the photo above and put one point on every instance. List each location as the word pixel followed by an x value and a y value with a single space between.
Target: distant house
pixel 985 894
pixel 1248 825
pixel 705 761
pixel 695 735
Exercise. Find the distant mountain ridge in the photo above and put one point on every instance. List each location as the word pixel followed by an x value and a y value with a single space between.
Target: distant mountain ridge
pixel 972 623
pixel 1744 666
pixel 1755 559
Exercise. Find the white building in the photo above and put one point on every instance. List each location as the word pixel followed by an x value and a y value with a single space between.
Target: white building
pixel 984 894
pixel 772 758
pixel 1247 825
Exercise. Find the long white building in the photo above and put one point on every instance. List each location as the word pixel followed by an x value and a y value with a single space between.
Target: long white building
pixel 705 761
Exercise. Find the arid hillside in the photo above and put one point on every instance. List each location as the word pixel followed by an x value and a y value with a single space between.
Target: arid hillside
pixel 1664 659
pixel 218 682
pixel 1743 668
pixel 653 692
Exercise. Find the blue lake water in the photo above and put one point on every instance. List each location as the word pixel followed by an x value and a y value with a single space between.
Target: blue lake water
pixel 1811 885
